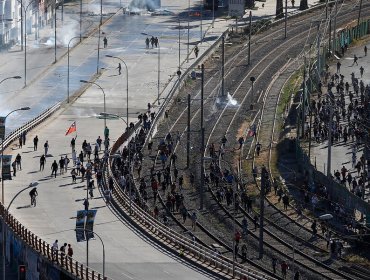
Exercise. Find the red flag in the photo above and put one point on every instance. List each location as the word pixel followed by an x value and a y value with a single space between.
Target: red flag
pixel 71 129
pixel 250 133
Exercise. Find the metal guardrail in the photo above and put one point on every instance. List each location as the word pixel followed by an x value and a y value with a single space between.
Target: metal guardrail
pixel 30 125
pixel 61 260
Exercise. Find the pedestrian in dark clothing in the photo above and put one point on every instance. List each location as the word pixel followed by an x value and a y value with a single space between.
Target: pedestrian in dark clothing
pixel 14 166
pixel 156 42
pixel 42 162
pixel 338 66
pixel 365 50
pixel 54 168
pixel 355 59
pixel 46 148
pixel 20 142
pixel 119 68
pixel 35 142
pixel 105 41
pixel 255 221
pixel 196 51
pixel 86 204
pixel 258 148
pixel 362 71
pixel 152 41
pixel 147 42
pixel 296 276
pixel 18 159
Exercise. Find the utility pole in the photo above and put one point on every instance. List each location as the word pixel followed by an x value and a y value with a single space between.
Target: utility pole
pixel 286 18
pixel 187 57
pixel 358 20
pixel 22 25
pixel 304 97
pixel 328 171
pixel 201 23
pixel 223 68
pixel 80 21
pixel 55 32
pixel 264 175
pixel 179 45
pixel 249 39
pixel 335 27
pixel 330 33
pixel 318 55
pixel 202 144
pixel 188 136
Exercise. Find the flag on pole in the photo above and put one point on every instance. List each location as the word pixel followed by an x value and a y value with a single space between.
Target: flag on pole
pixel 71 129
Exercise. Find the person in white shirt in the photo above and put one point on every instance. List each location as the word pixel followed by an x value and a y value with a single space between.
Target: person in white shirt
pixel 54 249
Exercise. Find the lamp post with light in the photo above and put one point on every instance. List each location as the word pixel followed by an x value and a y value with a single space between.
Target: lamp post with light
pixel 124 63
pixel 93 83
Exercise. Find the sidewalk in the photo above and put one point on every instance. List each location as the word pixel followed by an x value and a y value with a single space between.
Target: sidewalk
pixel 341 153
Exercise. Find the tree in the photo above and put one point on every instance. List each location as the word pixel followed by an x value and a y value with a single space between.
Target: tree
pixel 279 9
pixel 303 5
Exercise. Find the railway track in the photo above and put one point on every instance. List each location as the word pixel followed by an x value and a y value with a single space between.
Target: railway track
pixel 229 115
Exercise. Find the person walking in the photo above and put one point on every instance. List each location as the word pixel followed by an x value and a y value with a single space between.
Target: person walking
pixel 46 148
pixel 147 42
pixel 35 142
pixel 54 249
pixel 14 166
pixel 119 68
pixel 284 268
pixel 42 162
pixel 105 41
pixel 338 66
pixel 54 168
pixel 362 71
pixel 18 159
pixel 365 50
pixel 196 51
pixel 355 59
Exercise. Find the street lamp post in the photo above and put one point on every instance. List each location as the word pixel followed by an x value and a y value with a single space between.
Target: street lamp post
pixel 126 84
pixel 187 57
pixel 93 83
pixel 76 37
pixel 2 175
pixel 25 36
pixel 102 243
pixel 159 68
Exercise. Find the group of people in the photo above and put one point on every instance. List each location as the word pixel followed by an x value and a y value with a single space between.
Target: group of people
pixel 153 41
